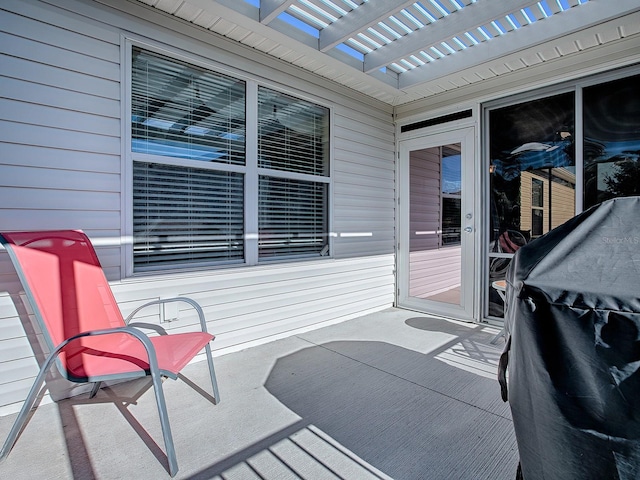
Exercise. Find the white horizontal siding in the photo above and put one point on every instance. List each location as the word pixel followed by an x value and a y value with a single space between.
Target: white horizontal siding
pixel 61 167
pixel 363 187
pixel 59 139
pixel 18 366
pixel 50 178
pixel 73 82
pixel 54 117
pixel 59 123
pixel 50 158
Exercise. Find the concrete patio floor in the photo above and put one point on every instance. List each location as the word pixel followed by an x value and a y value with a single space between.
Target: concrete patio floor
pixel 394 394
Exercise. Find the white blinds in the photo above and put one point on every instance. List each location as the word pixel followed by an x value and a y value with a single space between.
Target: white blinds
pixel 293 136
pixel 180 110
pixel 186 215
pixel 292 218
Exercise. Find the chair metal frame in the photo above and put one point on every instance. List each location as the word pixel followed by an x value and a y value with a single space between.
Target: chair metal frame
pixel 131 329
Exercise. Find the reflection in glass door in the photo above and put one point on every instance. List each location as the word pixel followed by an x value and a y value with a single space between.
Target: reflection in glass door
pixel 552 157
pixel 437 265
pixel 532 180
pixel 434 232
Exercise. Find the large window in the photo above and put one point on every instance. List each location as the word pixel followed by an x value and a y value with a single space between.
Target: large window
pixel 534 169
pixel 532 178
pixel 197 195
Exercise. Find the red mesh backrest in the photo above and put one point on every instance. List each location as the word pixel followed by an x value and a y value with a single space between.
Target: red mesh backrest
pixel 67 282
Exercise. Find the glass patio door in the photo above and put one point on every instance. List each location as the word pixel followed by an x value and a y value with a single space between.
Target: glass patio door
pixel 437 224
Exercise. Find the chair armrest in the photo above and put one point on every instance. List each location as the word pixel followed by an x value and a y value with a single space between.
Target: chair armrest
pixel 149 326
pixel 190 301
pixel 140 336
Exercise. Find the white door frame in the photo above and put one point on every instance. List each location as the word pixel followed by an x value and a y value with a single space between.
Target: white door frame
pixel 470 278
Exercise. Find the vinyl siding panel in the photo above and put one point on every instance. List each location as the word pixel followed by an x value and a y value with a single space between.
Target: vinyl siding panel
pixel 27 177
pixel 59 139
pixel 73 82
pixel 434 271
pixel 18 366
pixel 364 192
pixel 37 156
pixel 52 117
pixel 62 166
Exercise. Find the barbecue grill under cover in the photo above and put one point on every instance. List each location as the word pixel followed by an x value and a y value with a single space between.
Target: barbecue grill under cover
pixel 573 345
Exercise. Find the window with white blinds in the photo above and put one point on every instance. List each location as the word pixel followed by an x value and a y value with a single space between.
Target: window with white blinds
pixel 180 110
pixel 292 216
pixel 184 215
pixel 292 134
pixel 292 137
pixel 188 146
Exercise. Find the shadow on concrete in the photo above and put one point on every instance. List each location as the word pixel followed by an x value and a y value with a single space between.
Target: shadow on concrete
pixel 407 414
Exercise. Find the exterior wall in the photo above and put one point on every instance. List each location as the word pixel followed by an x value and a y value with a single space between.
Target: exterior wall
pixel 63 165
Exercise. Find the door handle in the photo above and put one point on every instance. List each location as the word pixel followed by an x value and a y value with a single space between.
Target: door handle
pixel 468 229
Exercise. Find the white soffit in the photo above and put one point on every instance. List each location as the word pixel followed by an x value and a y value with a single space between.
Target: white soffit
pixel 400 51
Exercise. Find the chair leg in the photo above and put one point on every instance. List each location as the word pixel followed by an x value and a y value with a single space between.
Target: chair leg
pixel 212 373
pixel 501 333
pixel 21 419
pixel 164 420
pixel 94 390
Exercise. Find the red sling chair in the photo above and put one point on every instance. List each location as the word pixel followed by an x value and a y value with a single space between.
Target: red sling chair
pixel 85 332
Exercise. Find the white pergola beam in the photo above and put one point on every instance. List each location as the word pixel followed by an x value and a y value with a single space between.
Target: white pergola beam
pixel 588 15
pixel 359 19
pixel 270 9
pixel 470 17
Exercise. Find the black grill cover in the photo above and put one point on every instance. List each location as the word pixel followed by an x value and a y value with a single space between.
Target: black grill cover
pixel 573 323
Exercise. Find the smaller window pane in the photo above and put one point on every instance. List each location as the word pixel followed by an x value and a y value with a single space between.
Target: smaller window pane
pixel 611 140
pixel 292 218
pixel 293 135
pixel 537 217
pixel 181 110
pixel 451 221
pixel 186 216
pixel 532 141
